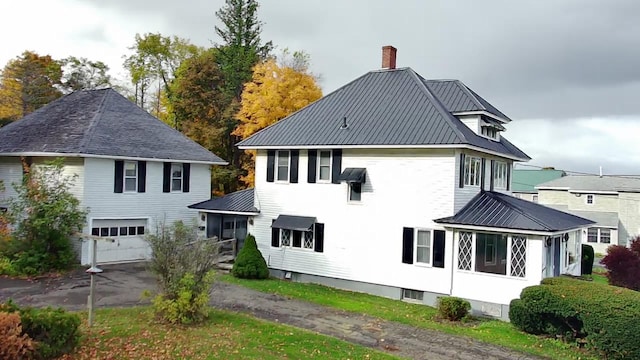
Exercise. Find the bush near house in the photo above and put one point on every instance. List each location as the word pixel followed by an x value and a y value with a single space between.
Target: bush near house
pixel 184 265
pixel 250 264
pixel 587 259
pixel 623 265
pixel 54 331
pixel 453 308
pixel 44 215
pixel 604 317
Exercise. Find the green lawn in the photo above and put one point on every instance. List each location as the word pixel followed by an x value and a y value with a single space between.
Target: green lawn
pixel 490 331
pixel 132 333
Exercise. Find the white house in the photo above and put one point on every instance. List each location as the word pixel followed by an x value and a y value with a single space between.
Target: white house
pixel 612 202
pixel 133 171
pixel 399 186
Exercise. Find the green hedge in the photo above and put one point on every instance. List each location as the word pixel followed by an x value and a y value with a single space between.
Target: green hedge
pixel 55 331
pixel 588 256
pixel 453 308
pixel 605 316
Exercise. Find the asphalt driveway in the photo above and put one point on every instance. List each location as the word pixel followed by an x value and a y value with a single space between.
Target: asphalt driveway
pixel 122 285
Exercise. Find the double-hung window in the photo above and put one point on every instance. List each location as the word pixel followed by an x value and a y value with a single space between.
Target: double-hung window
pixel 500 175
pixel 472 170
pixel 599 235
pixel 589 199
pixel 324 165
pixel 176 177
pixel 282 165
pixel 130 176
pixel 423 247
pixel 355 191
pixel 297 239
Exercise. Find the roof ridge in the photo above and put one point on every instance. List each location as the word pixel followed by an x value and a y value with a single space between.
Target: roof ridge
pixel 91 129
pixel 438 104
pixel 470 93
pixel 528 216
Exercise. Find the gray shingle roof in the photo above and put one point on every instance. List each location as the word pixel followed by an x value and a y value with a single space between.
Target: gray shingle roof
pixel 601 218
pixel 493 209
pixel 457 97
pixel 239 201
pixel 384 107
pixel 595 183
pixel 102 123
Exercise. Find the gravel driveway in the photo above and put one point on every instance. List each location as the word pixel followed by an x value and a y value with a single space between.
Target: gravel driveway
pixel 122 285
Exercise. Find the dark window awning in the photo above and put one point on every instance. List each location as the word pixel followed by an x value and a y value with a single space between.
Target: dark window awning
pixel 357 175
pixel 290 222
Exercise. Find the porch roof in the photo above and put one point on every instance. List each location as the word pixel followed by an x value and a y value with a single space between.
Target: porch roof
pixel 494 209
pixel 239 202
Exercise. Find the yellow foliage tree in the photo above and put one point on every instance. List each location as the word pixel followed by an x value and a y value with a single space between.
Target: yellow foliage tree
pixel 276 90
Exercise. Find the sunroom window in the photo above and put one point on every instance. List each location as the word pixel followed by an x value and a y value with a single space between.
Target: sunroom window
pixel 489 253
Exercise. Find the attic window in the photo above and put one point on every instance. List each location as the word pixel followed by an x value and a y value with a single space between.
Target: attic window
pixel 490 132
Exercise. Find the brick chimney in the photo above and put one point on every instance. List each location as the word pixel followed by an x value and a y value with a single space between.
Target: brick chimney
pixel 389 57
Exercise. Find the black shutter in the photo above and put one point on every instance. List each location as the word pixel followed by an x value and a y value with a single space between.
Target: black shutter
pixel 311 168
pixel 275 235
pixel 493 169
pixel 319 245
pixel 508 176
pixel 336 166
pixel 186 176
pixel 407 245
pixel 461 183
pixel 293 170
pixel 166 177
pixel 118 178
pixel 482 173
pixel 142 176
pixel 438 248
pixel 271 159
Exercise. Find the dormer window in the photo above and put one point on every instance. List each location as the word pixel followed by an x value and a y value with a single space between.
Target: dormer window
pixel 490 132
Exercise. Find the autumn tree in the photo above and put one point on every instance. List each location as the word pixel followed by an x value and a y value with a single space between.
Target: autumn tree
pixel 276 90
pixel 27 83
pixel 156 58
pixel 84 74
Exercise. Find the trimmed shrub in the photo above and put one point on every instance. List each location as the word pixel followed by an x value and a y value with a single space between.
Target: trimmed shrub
pixel 453 308
pixel 587 259
pixel 54 331
pixel 13 343
pixel 189 306
pixel 250 264
pixel 604 316
pixel 623 265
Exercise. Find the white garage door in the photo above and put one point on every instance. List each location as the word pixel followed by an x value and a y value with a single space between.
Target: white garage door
pixel 129 244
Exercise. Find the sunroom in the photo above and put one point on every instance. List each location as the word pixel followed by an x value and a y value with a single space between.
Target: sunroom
pixel 503 244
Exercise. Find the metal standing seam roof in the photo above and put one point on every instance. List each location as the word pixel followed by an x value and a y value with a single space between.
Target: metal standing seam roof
pixel 457 97
pixel 525 180
pixel 385 108
pixel 595 183
pixel 240 201
pixel 354 175
pixel 292 222
pixel 99 122
pixel 497 210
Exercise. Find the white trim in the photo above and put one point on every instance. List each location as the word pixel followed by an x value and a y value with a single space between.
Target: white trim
pixel 443 146
pixel 94 156
pixel 510 231
pixel 588 192
pixel 227 212
pixel 415 250
pixel 319 158
pixel 349 200
pixel 482 112
pixel 553 188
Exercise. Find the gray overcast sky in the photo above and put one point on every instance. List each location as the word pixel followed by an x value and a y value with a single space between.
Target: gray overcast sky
pixel 566 71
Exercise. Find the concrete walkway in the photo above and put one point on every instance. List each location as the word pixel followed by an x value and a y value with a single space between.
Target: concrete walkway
pixel 122 285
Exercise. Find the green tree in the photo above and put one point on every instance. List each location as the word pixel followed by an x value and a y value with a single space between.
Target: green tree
pixel 27 83
pixel 84 74
pixel 241 49
pixel 45 215
pixel 277 89
pixel 200 107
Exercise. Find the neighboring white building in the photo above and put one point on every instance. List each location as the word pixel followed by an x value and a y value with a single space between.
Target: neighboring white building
pixel 612 202
pixel 133 171
pixel 398 186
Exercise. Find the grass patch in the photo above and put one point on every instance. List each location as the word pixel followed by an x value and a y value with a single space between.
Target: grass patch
pixel 132 333
pixel 490 331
